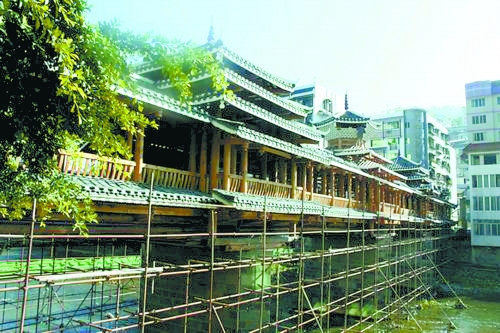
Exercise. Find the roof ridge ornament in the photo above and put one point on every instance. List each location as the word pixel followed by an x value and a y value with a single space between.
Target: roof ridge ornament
pixel 346 104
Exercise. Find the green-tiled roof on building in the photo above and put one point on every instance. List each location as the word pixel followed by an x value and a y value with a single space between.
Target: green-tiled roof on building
pixel 128 192
pixel 257 203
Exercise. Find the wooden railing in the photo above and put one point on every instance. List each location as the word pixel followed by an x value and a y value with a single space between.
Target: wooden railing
pixel 258 186
pixel 170 177
pixel 91 165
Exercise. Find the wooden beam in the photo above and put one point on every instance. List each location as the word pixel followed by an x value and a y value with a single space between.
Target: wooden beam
pixel 143 209
pixel 273 151
pixel 233 141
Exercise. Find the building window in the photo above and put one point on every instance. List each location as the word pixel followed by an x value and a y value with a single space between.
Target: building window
pixel 477 203
pixel 477 181
pixel 479 136
pixel 494 230
pixel 486 203
pixel 493 182
pixel 498 100
pixel 328 105
pixel 407 124
pixel 477 102
pixel 475 160
pixel 481 119
pixel 494 205
pixel 490 159
pixel 486 181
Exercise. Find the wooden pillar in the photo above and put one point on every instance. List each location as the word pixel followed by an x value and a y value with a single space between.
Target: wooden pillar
pixel 304 181
pixel 264 166
pixel 234 159
pixel 293 171
pixel 214 159
pixel 138 154
pixel 324 181
pixel 203 161
pixel 130 142
pixel 349 186
pixel 192 151
pixel 282 171
pixel 362 194
pixel 244 168
pixel 332 187
pixel 382 198
pixel 275 170
pixel 310 185
pixel 376 192
pixel 342 185
pixel 396 201
pixel 226 181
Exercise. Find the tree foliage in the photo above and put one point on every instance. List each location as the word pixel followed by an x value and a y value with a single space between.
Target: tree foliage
pixel 58 76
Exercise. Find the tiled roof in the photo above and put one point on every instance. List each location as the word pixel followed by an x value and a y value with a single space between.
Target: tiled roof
pixel 353 150
pixel 307 131
pixel 365 164
pixel 256 89
pixel 346 117
pixel 128 192
pixel 165 103
pixel 482 147
pixel 351 117
pixel 279 82
pixel 249 202
pixel 401 163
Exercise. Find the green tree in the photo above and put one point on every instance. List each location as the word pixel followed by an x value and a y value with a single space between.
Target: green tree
pixel 58 77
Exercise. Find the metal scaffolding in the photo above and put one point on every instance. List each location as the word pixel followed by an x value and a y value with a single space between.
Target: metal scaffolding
pixel 346 275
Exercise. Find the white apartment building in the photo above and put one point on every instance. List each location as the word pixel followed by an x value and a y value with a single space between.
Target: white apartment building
pixel 483 151
pixel 417 136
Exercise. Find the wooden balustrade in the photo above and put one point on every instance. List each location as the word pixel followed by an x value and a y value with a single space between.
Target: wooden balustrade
pixel 169 177
pixel 235 183
pixel 91 165
pixel 272 189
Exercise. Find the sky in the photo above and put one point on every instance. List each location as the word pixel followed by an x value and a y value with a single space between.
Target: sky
pixel 384 54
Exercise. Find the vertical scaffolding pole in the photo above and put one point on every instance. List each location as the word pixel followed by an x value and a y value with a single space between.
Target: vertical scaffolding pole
pixel 212 262
pixel 263 260
pixel 322 277
pixel 239 297
pixel 348 245
pixel 146 255
pixel 27 272
pixel 301 269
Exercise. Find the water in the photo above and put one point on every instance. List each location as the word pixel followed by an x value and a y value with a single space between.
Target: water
pixel 480 316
